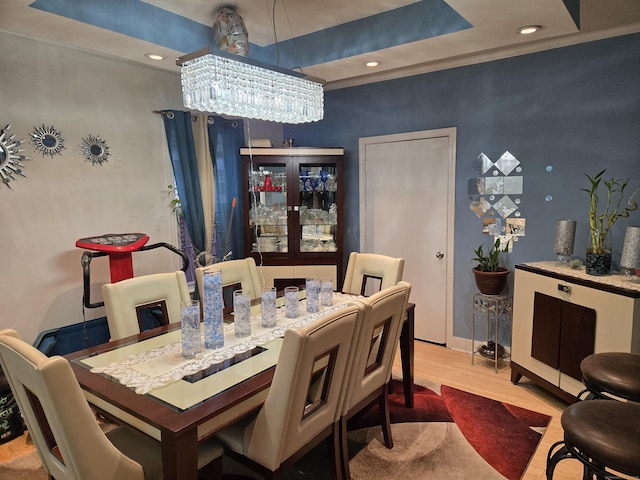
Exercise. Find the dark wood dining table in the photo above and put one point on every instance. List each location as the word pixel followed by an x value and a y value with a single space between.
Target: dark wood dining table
pixel 179 429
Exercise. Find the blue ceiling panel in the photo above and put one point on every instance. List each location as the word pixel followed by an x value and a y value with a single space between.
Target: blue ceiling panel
pixel 137 19
pixel 411 23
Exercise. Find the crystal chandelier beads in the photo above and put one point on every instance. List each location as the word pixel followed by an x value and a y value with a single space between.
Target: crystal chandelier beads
pixel 217 83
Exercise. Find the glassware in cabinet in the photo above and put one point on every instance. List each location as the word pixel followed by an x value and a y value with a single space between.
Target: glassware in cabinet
pixel 268 213
pixel 318 188
pixel 293 213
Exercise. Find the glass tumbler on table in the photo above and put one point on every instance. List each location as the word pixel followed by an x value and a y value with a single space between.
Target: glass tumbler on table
pixel 313 295
pixel 326 292
pixel 268 309
pixel 190 324
pixel 242 313
pixel 212 308
pixel 291 302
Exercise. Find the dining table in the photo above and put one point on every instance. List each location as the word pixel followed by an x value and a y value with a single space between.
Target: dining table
pixel 144 381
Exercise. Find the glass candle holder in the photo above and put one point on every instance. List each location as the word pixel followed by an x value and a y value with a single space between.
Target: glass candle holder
pixel 630 258
pixel 565 239
pixel 291 302
pixel 326 292
pixel 313 295
pixel 242 313
pixel 190 325
pixel 268 307
pixel 212 309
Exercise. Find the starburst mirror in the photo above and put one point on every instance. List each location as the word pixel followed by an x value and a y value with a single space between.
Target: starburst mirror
pixel 10 156
pixel 95 150
pixel 47 141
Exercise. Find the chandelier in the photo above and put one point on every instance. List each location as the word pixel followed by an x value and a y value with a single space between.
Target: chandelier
pixel 224 83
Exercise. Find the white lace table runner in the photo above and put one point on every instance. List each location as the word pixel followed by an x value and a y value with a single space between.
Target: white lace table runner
pixel 164 365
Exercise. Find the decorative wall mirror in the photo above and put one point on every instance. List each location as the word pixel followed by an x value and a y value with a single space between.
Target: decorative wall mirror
pixel 10 156
pixel 47 141
pixel 495 194
pixel 95 150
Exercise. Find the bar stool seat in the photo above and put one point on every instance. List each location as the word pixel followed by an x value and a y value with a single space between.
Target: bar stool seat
pixel 612 373
pixel 603 435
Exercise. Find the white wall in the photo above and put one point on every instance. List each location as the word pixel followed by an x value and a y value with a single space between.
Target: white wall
pixel 65 198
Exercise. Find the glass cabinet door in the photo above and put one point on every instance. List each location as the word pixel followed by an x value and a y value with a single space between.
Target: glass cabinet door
pixel 268 215
pixel 317 207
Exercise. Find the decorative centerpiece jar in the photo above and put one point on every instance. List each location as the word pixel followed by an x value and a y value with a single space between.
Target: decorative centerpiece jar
pixel 598 255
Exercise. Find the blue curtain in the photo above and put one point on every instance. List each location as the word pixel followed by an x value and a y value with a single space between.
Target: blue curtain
pixel 226 137
pixel 179 133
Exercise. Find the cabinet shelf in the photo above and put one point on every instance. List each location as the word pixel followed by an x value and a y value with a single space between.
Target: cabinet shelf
pixel 261 224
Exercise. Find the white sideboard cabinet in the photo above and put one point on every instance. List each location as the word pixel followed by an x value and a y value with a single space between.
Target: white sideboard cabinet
pixel 561 315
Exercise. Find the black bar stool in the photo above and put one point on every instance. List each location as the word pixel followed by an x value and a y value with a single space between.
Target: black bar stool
pixel 603 436
pixel 611 374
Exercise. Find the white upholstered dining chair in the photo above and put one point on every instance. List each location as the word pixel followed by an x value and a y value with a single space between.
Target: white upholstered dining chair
pixel 128 301
pixel 370 372
pixel 303 405
pixel 68 439
pixel 368 273
pixel 241 273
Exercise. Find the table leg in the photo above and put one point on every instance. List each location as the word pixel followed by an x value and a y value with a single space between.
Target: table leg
pixel 407 353
pixel 180 456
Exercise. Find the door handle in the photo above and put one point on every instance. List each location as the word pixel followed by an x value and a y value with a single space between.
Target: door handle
pixel 439 255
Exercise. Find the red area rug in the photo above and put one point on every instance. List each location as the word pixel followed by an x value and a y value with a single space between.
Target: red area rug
pixel 503 435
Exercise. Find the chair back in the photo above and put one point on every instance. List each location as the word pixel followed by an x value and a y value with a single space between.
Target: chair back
pixel 10 332
pixel 242 273
pixel 368 273
pixel 129 302
pixel 375 346
pixel 305 396
pixel 67 437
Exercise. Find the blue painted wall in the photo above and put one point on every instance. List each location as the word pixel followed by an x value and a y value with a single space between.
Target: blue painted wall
pixel 576 109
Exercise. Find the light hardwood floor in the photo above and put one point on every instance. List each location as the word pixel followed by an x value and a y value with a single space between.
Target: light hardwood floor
pixel 454 368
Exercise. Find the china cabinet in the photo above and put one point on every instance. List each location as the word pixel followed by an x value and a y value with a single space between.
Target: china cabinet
pixel 561 315
pixel 293 212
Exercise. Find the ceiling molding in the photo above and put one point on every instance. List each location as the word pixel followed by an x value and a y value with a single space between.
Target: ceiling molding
pixel 483 57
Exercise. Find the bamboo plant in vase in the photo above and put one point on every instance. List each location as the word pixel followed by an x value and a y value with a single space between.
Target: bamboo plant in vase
pixel 598 256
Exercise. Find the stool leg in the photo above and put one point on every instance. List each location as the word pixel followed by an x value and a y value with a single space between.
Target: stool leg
pixel 553 457
pixel 585 395
pixel 592 469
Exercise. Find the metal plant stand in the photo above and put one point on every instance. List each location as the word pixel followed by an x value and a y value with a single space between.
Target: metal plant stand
pixel 496 310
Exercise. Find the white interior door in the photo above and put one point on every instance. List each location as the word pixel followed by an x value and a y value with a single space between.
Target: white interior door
pixel 406 210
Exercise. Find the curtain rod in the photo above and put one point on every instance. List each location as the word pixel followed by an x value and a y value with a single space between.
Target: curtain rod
pixel 169 114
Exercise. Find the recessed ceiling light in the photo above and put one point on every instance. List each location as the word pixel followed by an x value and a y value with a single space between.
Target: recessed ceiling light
pixel 529 29
pixel 154 56
pixel 372 64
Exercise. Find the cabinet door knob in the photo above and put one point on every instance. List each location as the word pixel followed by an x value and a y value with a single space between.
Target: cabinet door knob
pixel 439 255
pixel 564 288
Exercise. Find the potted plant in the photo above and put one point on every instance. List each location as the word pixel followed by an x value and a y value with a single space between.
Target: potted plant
pixel 598 257
pixel 490 276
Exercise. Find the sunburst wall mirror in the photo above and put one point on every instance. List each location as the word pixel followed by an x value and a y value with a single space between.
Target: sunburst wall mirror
pixel 47 140
pixel 10 156
pixel 95 150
